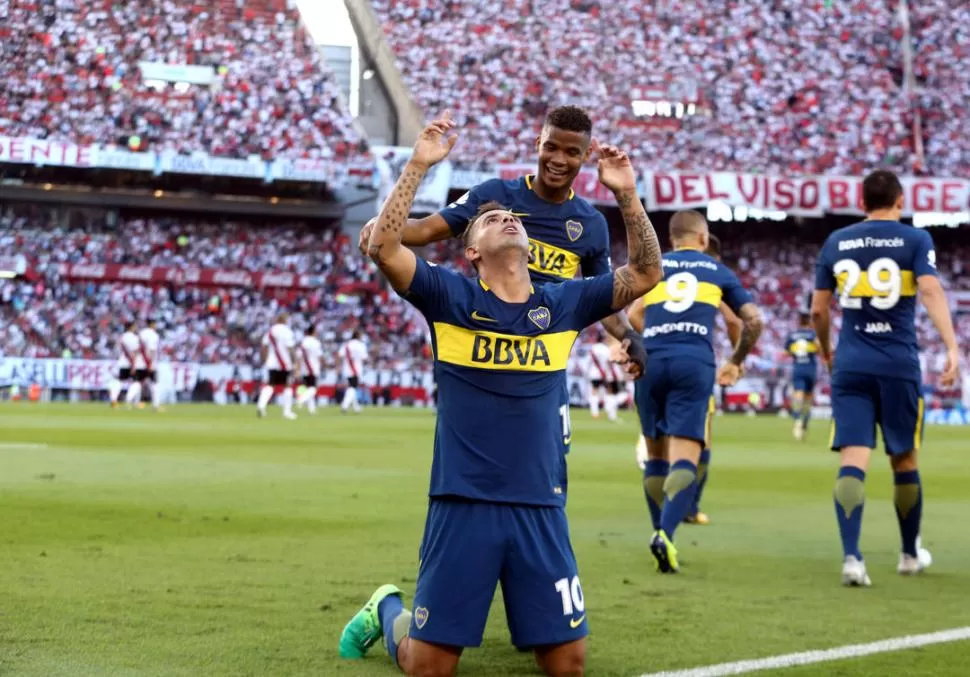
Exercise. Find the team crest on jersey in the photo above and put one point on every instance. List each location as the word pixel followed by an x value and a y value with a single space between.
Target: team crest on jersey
pixel 574 229
pixel 541 317
pixel 420 617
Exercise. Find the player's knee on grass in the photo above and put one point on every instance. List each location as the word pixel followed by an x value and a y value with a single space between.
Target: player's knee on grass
pixel 563 660
pixel 422 659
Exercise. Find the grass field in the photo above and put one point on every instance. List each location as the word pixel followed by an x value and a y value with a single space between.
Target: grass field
pixel 203 541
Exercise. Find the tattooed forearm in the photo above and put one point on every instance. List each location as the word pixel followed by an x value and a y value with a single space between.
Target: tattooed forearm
pixel 386 238
pixel 750 331
pixel 643 270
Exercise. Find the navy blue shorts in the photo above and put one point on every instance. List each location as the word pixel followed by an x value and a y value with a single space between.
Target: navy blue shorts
pixel 803 382
pixel 673 398
pixel 469 547
pixel 861 401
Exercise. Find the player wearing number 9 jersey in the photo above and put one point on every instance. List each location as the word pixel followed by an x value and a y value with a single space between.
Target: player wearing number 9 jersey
pixel 673 397
pixel 875 269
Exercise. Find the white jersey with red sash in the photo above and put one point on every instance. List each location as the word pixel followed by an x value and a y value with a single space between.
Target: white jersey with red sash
pixel 280 341
pixel 147 354
pixel 310 354
pixel 353 353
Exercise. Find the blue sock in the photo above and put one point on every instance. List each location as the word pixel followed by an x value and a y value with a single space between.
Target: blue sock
pixel 850 499
pixel 390 611
pixel 806 414
pixel 654 476
pixel 703 469
pixel 908 497
pixel 679 489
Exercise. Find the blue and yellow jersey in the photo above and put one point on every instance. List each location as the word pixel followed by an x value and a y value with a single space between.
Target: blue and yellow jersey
pixel 503 408
pixel 564 239
pixel 679 313
pixel 801 346
pixel 872 268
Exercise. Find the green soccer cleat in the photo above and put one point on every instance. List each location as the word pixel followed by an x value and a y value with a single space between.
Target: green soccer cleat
pixel 364 629
pixel 664 552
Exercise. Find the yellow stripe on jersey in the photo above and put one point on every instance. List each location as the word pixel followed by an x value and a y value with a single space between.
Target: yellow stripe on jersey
pixel 528 184
pixel 549 260
pixel 863 289
pixel 502 352
pixel 802 347
pixel 707 292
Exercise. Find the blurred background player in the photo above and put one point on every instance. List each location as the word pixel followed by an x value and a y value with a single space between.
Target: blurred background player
pixel 278 349
pixel 310 354
pixel 567 234
pixel 876 268
pixel 350 361
pixel 603 382
pixel 673 397
pixel 128 345
pixel 146 374
pixel 803 349
pixel 733 326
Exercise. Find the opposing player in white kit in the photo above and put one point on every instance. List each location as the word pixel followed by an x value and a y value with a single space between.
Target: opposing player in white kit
pixel 351 358
pixel 145 370
pixel 128 345
pixel 309 355
pixel 603 381
pixel 278 355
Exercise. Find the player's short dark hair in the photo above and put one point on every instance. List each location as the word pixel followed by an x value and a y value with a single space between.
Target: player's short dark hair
pixel 713 246
pixel 880 190
pixel 484 208
pixel 686 222
pixel 570 119
pixel 803 318
pixel 311 330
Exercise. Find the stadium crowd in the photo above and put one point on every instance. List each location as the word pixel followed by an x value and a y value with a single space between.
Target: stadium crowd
pixel 48 315
pixel 781 87
pixel 70 72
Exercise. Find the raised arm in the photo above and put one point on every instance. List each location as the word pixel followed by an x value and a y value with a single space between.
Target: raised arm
pixel 642 271
pixel 934 300
pixel 386 247
pixel 416 232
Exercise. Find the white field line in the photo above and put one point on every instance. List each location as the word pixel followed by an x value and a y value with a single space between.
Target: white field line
pixel 21 445
pixel 808 657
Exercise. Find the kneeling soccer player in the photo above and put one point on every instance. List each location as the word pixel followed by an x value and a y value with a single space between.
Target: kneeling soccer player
pixel 497 508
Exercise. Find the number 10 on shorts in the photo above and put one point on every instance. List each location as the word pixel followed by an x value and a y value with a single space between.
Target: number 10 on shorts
pixel 572 595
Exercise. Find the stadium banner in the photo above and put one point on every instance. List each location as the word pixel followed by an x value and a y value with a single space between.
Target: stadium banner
pixel 77 374
pixel 197 277
pixel 432 193
pixel 118 158
pixel 40 152
pixel 203 163
pixel 802 196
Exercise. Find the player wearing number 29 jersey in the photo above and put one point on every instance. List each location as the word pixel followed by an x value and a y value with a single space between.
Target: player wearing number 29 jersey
pixel 872 267
pixel 874 270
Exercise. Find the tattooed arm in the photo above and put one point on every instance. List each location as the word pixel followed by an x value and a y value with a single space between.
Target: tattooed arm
pixel 751 326
pixel 396 261
pixel 642 271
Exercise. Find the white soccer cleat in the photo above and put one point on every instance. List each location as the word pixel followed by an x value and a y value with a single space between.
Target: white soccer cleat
pixel 854 573
pixel 289 415
pixel 798 432
pixel 911 566
pixel 642 453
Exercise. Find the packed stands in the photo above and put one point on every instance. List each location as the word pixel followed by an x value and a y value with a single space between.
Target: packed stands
pixel 941 30
pixel 791 86
pixel 50 315
pixel 70 72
